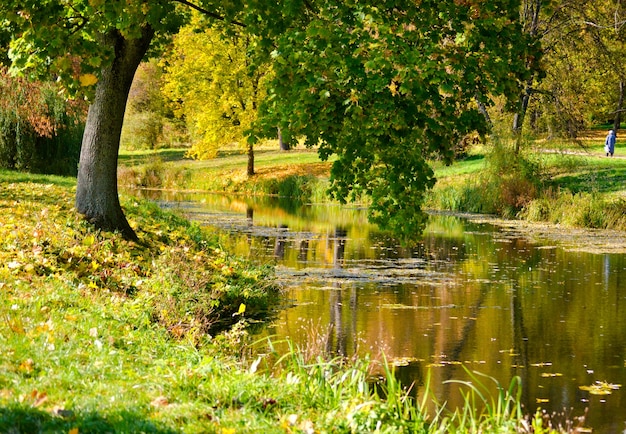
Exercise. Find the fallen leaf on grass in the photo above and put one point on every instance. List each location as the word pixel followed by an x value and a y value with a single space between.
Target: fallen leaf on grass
pixel 38 398
pixel 160 401
pixel 26 366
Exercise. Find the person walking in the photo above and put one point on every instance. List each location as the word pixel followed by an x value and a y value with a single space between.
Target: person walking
pixel 609 143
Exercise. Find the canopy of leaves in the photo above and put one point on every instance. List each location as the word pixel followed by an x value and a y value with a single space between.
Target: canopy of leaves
pixel 208 80
pixel 381 84
pixel 584 49
pixel 386 85
pixel 65 38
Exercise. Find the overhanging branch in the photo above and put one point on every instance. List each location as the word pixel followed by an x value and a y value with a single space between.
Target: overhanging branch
pixel 208 13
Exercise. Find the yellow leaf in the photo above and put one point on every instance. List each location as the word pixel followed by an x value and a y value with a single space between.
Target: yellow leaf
pixel 88 80
pixel 393 87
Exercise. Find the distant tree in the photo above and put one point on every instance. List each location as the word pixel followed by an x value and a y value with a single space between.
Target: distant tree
pixel 39 130
pixel 209 80
pixel 533 26
pixel 584 45
pixel 603 28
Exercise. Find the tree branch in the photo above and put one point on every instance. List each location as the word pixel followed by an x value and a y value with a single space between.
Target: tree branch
pixel 208 13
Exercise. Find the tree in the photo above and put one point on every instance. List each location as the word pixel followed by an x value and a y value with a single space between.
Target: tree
pixel 87 42
pixel 530 18
pixel 603 27
pixel 216 94
pixel 149 122
pixel 380 84
pixel 584 47
pixel 383 85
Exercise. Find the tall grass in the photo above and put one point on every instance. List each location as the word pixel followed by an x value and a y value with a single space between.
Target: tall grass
pixel 504 185
pixel 583 210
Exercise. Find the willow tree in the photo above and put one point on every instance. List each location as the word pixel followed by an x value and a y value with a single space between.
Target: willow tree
pixel 381 84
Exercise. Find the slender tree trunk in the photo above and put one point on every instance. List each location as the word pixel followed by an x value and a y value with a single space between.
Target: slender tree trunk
pixel 96 194
pixel 518 118
pixel 530 20
pixel 250 160
pixel 483 110
pixel 284 146
pixel 618 112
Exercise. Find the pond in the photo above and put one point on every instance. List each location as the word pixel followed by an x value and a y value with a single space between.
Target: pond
pixel 468 297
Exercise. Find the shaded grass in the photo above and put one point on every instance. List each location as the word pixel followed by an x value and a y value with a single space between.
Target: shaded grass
pixel 10 176
pixel 138 157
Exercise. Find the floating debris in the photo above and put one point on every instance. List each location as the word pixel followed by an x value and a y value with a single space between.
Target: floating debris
pixel 600 388
pixel 405 361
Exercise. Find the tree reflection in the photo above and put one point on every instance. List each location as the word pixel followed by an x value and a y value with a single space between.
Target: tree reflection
pixel 281 240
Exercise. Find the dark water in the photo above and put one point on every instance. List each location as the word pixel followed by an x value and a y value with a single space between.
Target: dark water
pixel 467 296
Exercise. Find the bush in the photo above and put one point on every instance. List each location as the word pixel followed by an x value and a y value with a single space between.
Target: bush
pixel 39 130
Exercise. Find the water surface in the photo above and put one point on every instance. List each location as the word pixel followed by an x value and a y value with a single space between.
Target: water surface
pixel 467 296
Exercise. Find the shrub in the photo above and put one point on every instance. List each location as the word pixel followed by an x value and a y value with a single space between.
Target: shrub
pixel 39 130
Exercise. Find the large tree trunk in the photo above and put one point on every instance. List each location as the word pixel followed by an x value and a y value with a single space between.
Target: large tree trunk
pixel 96 195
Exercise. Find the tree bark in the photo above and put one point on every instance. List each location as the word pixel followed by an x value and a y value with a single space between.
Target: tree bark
pixel 284 146
pixel 530 20
pixel 96 194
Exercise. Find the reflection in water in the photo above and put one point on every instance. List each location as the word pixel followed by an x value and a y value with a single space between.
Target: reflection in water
pixel 466 296
pixel 279 245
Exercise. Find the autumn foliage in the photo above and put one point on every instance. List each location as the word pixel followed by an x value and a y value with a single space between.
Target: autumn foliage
pixel 40 131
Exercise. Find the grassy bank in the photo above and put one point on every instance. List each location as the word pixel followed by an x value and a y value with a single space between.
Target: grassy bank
pixel 298 173
pixel 569 183
pixel 100 335
pixel 572 184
